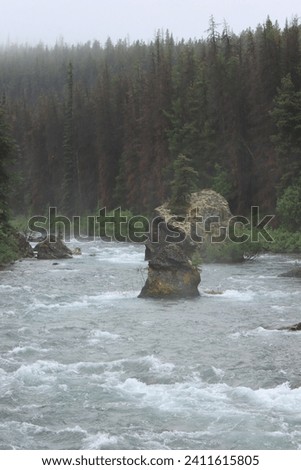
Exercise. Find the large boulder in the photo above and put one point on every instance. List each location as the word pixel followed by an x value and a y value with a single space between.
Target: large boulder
pixel 171 274
pixel 52 248
pixel 207 218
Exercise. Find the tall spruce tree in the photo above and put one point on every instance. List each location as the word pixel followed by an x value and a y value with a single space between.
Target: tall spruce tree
pixel 183 184
pixel 8 246
pixel 5 152
pixel 286 115
pixel 70 174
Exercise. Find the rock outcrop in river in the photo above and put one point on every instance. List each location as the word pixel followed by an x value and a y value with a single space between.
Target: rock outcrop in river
pixel 52 248
pixel 171 274
pixel 207 218
pixel 176 239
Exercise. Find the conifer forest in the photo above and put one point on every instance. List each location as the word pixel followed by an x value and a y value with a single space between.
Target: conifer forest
pixel 100 125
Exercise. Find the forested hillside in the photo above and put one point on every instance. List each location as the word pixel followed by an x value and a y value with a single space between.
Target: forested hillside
pixel 101 126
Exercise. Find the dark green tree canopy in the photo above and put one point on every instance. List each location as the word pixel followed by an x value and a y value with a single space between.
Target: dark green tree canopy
pixel 6 147
pixel 184 183
pixel 102 125
pixel 286 115
pixel 289 207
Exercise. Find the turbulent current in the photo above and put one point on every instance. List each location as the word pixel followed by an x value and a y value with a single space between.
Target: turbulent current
pixel 85 364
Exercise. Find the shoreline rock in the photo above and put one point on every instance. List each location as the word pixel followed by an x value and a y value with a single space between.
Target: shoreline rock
pixel 24 247
pixel 52 248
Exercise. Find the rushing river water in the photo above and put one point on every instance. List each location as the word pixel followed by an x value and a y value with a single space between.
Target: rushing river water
pixel 85 364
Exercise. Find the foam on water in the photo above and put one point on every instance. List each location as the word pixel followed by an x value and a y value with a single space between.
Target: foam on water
pixel 264 332
pixel 116 295
pixel 8 313
pixel 157 366
pixel 281 399
pixel 97 335
pixel 218 372
pixel 279 294
pixel 85 364
pixel 84 301
pixel 116 254
pixel 6 287
pixel 194 398
pixel 233 294
pixel 213 399
pixel 40 372
pixel 100 441
pixel 20 350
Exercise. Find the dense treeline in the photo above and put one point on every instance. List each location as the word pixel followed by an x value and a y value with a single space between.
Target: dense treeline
pixel 8 244
pixel 101 126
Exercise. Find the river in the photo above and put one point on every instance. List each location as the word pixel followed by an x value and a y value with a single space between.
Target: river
pixel 85 364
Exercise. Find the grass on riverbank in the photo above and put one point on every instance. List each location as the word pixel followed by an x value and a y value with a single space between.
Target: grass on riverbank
pixel 282 241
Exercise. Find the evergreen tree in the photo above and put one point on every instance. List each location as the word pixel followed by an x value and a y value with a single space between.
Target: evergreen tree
pixel 109 133
pixel 5 153
pixel 286 115
pixel 183 184
pixel 70 175
pixel 8 246
pixel 289 207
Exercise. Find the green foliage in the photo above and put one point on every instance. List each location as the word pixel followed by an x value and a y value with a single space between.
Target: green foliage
pixel 6 147
pixel 286 115
pixel 284 241
pixel 230 251
pixel 191 130
pixel 70 180
pixel 242 243
pixel 8 247
pixel 289 207
pixel 123 225
pixel 196 258
pixel 183 184
pixel 221 182
pixel 20 223
pixel 125 111
pixel 227 252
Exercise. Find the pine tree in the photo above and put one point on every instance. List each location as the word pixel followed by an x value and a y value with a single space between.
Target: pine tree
pixel 70 175
pixel 183 184
pixel 5 152
pixel 8 246
pixel 286 115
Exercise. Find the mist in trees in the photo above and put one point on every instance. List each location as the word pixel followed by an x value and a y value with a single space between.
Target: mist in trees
pixel 103 125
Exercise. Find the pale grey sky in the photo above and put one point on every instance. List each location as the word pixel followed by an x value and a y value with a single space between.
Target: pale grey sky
pixel 77 21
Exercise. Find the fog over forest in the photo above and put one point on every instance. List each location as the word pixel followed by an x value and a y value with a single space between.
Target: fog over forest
pixel 105 123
